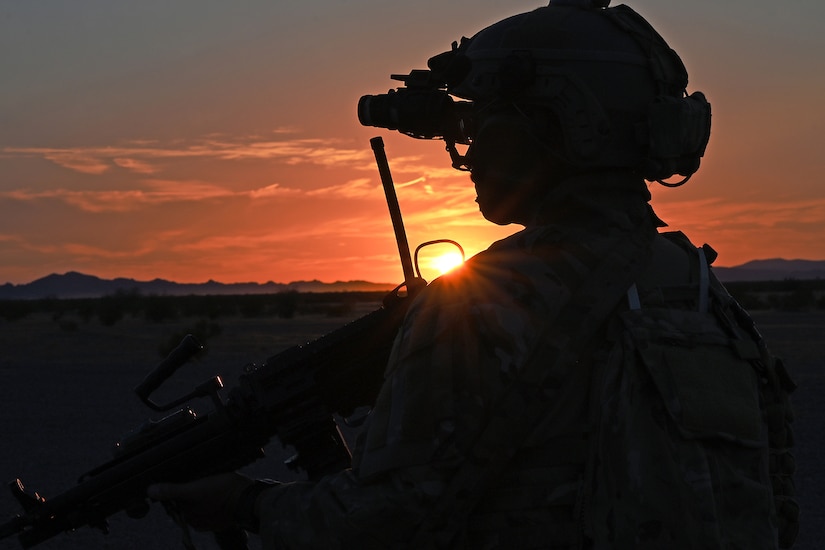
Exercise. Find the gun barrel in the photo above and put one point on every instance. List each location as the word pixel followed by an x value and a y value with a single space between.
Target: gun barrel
pixel 293 396
pixel 204 446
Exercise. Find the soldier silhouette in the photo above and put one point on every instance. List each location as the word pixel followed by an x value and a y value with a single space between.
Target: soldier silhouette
pixel 584 383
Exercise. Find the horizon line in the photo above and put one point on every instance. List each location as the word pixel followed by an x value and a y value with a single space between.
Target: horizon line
pixel 316 280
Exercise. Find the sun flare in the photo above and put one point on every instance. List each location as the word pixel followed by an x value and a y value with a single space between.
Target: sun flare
pixel 447 262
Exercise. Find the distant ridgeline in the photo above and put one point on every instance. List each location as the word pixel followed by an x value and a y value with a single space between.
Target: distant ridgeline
pixel 74 295
pixel 773 270
pixel 78 285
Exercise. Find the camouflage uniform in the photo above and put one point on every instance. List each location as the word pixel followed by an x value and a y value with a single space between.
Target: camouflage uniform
pixel 692 423
pixel 467 337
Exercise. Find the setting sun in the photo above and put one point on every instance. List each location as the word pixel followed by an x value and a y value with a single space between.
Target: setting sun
pixel 197 160
pixel 447 261
pixel 436 261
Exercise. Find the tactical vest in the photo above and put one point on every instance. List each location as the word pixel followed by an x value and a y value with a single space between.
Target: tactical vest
pixel 686 426
pixel 692 439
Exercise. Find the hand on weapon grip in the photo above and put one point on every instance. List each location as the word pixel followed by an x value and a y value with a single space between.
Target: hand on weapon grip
pixel 209 504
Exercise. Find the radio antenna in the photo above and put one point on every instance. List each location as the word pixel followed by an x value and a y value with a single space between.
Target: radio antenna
pixel 377 144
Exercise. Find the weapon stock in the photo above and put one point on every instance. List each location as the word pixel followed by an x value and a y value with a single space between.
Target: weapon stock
pixel 292 396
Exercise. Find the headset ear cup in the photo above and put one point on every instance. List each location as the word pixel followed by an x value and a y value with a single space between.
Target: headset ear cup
pixel 677 134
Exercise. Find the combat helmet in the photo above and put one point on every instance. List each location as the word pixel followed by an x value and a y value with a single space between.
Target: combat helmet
pixel 600 85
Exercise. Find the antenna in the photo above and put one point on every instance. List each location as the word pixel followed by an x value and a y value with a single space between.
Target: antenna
pixel 377 144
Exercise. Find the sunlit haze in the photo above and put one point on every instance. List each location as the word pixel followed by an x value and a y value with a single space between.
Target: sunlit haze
pixel 447 262
pixel 201 139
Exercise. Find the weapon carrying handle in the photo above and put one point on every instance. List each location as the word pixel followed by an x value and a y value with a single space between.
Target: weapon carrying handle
pixel 187 349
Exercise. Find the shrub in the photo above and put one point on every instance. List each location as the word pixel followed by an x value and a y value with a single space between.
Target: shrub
pixel 159 308
pixel 13 310
pixel 110 310
pixel 286 304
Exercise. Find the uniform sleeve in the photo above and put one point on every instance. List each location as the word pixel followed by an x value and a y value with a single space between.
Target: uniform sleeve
pixel 463 338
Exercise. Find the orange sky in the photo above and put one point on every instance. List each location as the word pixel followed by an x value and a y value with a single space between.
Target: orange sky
pixel 202 140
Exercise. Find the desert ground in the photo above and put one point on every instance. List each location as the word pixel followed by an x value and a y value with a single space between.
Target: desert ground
pixel 66 398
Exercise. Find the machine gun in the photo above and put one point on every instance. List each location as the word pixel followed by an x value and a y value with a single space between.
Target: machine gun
pixel 292 396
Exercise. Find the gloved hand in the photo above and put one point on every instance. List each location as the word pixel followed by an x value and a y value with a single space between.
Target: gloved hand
pixel 214 503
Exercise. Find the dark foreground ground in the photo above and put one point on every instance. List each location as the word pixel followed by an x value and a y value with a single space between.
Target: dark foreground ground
pixel 65 398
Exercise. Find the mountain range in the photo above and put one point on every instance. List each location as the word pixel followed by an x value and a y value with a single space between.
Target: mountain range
pixel 79 285
pixel 772 270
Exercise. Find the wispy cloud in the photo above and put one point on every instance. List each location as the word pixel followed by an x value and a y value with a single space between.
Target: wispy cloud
pixel 358 188
pixel 79 161
pixel 134 165
pixel 441 187
pixel 158 191
pixel 84 251
pixel 716 212
pixel 139 155
pixel 274 190
pixel 742 230
pixel 114 200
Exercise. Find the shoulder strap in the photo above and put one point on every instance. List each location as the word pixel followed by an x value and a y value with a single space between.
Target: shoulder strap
pixel 528 399
pixel 775 388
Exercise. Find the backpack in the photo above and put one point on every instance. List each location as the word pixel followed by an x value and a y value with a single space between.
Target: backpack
pixel 692 437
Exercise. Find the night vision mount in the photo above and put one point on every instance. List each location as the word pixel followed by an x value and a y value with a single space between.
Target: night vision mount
pixel 422 109
pixel 668 136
